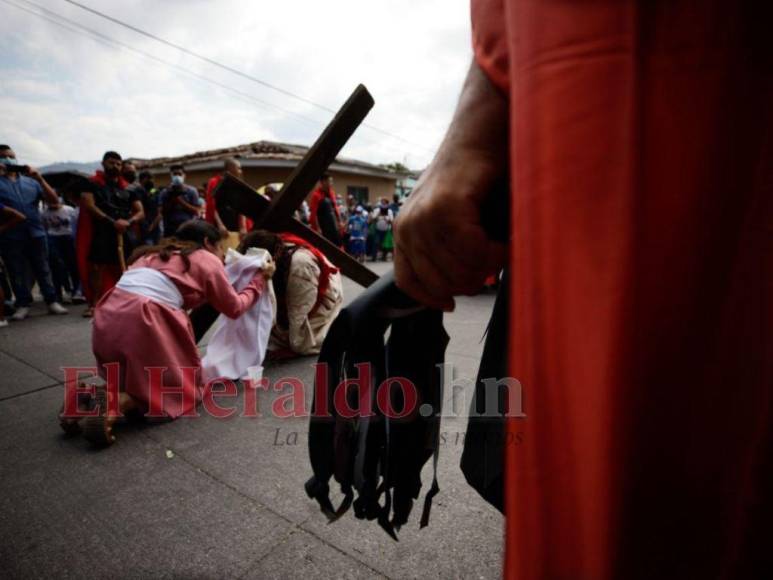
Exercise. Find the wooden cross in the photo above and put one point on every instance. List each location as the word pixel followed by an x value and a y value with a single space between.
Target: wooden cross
pixel 277 215
pixel 236 195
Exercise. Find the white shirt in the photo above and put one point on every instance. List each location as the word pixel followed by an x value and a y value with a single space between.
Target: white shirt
pixel 60 221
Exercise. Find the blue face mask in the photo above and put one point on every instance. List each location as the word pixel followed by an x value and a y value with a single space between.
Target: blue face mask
pixel 177 180
pixel 8 161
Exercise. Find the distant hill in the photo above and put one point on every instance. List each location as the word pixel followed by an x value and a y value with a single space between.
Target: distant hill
pixel 89 167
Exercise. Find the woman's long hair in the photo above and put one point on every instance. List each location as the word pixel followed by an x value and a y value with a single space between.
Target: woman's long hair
pixel 189 237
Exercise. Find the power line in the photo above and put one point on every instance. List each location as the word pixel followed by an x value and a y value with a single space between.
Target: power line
pixel 94 35
pixel 77 28
pixel 230 69
pixel 197 55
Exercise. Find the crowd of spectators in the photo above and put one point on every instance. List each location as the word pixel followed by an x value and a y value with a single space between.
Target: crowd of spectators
pixel 75 243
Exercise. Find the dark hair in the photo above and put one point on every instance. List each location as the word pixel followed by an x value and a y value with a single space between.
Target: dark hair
pixel 262 239
pixel 189 237
pixel 144 174
pixel 111 155
pixel 175 167
pixel 281 255
pixel 4 147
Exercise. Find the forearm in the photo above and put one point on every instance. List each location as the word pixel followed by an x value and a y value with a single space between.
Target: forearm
pixel 49 194
pixel 442 248
pixel 91 207
pixel 190 208
pixel 478 132
pixel 231 303
pixel 137 215
pixel 12 219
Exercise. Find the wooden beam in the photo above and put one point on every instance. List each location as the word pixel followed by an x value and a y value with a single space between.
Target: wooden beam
pixel 319 157
pixel 240 197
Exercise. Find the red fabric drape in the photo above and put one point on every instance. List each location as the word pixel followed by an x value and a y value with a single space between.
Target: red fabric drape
pixel 209 207
pixel 83 245
pixel 641 321
pixel 326 269
pixel 316 198
pixel 209 213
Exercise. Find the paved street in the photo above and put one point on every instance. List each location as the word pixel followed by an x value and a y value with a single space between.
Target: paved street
pixel 202 497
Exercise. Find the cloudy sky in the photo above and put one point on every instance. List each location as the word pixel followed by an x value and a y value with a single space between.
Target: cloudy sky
pixel 65 96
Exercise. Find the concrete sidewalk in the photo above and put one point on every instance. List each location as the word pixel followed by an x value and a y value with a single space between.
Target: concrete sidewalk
pixel 208 498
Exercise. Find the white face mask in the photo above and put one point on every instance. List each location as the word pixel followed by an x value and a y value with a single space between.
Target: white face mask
pixel 178 180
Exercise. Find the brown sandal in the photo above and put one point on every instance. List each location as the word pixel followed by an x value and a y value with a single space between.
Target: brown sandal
pixel 71 425
pixel 88 313
pixel 98 430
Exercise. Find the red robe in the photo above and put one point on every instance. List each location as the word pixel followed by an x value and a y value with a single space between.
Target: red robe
pixel 641 148
pixel 83 236
pixel 316 198
pixel 210 206
pixel 209 210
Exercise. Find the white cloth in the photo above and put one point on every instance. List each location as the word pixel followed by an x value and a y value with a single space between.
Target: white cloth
pixel 151 284
pixel 238 346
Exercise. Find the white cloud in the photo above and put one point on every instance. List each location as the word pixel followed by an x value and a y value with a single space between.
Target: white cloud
pixel 66 97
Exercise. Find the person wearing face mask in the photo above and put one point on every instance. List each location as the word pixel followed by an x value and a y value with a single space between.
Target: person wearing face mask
pixel 143 323
pixel 179 202
pixel 25 245
pixel 108 211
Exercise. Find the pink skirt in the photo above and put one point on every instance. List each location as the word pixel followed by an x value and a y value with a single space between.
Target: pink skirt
pixel 143 337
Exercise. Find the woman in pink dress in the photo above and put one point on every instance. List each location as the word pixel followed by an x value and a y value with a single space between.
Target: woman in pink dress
pixel 142 327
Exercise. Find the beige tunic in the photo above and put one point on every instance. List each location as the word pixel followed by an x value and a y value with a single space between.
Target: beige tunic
pixel 306 333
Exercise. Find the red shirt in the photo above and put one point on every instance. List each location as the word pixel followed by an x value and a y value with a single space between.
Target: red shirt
pixel 209 213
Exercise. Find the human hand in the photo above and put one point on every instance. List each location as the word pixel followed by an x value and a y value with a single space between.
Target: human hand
pixel 441 248
pixel 268 269
pixel 33 172
pixel 121 226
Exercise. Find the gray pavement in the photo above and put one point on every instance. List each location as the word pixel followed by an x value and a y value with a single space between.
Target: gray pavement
pixel 204 497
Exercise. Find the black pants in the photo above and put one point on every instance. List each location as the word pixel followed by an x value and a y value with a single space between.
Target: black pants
pixel 64 265
pixel 31 253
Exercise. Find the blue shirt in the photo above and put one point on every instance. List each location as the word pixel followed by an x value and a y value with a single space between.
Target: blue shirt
pixel 23 195
pixel 175 215
pixel 358 227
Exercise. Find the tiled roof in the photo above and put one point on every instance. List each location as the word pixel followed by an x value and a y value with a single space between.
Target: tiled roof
pixel 262 150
